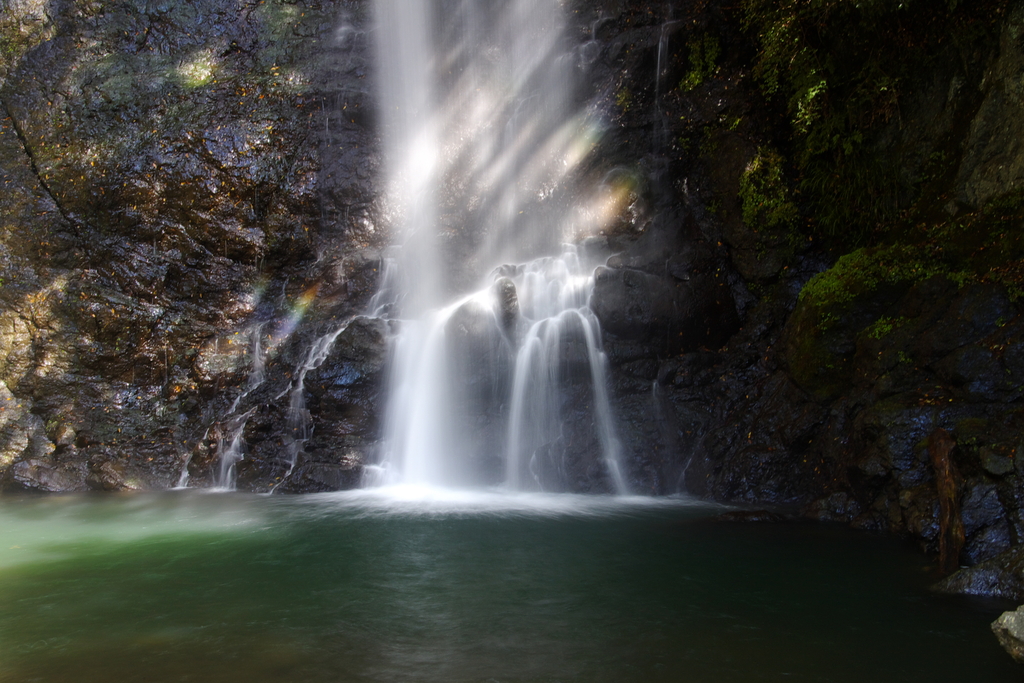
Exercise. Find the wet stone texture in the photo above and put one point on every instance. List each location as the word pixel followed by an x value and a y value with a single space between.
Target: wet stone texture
pixel 1009 629
pixel 175 175
pixel 727 383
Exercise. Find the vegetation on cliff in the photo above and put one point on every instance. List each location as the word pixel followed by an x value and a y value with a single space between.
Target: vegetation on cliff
pixel 840 73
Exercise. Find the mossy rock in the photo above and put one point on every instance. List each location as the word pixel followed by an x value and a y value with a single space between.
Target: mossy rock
pixel 836 307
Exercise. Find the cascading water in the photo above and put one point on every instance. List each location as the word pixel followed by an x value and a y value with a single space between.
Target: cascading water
pixel 229 432
pixel 299 424
pixel 506 384
pixel 561 346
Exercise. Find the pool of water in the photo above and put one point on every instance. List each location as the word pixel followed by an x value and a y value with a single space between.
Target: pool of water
pixel 412 585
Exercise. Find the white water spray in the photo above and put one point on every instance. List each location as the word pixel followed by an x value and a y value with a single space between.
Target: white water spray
pixel 505 384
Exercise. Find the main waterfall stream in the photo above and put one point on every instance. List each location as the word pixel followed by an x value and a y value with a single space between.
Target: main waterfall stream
pixel 498 375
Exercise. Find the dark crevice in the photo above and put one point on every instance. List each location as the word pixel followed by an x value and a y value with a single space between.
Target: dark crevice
pixel 76 225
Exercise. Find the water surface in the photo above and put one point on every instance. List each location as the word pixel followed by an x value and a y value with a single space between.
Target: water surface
pixel 418 585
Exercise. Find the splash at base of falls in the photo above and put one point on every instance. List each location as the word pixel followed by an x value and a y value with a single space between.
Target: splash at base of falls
pixel 506 386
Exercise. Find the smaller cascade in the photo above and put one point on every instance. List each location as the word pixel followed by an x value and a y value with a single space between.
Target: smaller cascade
pixel 231 446
pixel 659 73
pixel 591 49
pixel 230 431
pixel 387 294
pixel 662 58
pixel 561 348
pixel 299 423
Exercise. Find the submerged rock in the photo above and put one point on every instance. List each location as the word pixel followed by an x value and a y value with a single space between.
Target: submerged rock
pixel 751 516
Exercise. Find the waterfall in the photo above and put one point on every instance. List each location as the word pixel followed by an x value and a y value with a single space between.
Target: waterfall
pixel 230 430
pixel 298 421
pixel 498 375
pixel 562 345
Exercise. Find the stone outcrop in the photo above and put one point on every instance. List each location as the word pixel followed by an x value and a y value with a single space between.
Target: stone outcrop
pixel 174 174
pixel 1001 576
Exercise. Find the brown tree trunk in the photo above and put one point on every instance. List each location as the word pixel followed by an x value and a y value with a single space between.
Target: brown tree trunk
pixel 947 481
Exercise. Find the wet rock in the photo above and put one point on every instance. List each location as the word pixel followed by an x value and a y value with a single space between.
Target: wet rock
pixel 43 476
pixel 749 457
pixel 981 506
pixel 155 462
pixel 314 477
pixel 346 389
pixel 994 161
pixel 478 357
pixel 357 356
pixel 921 514
pixel 836 507
pixel 667 313
pixel 974 312
pixel 988 542
pixel 22 433
pixel 175 192
pixel 1009 630
pixel 996 463
pixel 999 577
pixel 508 303
pixel 976 369
pixel 226 358
pixel 107 475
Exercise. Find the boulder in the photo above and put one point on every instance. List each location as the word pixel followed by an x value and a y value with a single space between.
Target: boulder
pixel 1009 629
pixel 43 476
pixel 667 312
pixel 999 577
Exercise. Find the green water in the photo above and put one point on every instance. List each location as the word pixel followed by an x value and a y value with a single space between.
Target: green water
pixel 186 586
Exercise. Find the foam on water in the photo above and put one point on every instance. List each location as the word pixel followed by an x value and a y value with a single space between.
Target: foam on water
pixel 425 500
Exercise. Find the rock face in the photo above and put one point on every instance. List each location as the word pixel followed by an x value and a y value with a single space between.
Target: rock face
pixel 174 176
pixel 817 383
pixel 994 160
pixel 190 231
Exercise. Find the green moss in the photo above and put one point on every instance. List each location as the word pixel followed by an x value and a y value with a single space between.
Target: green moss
pixel 986 245
pixel 834 309
pixel 198 70
pixel 812 363
pixel 864 271
pixel 624 99
pixel 838 68
pixel 885 326
pixel 704 54
pixel 765 195
pixel 972 431
pixel 709 140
